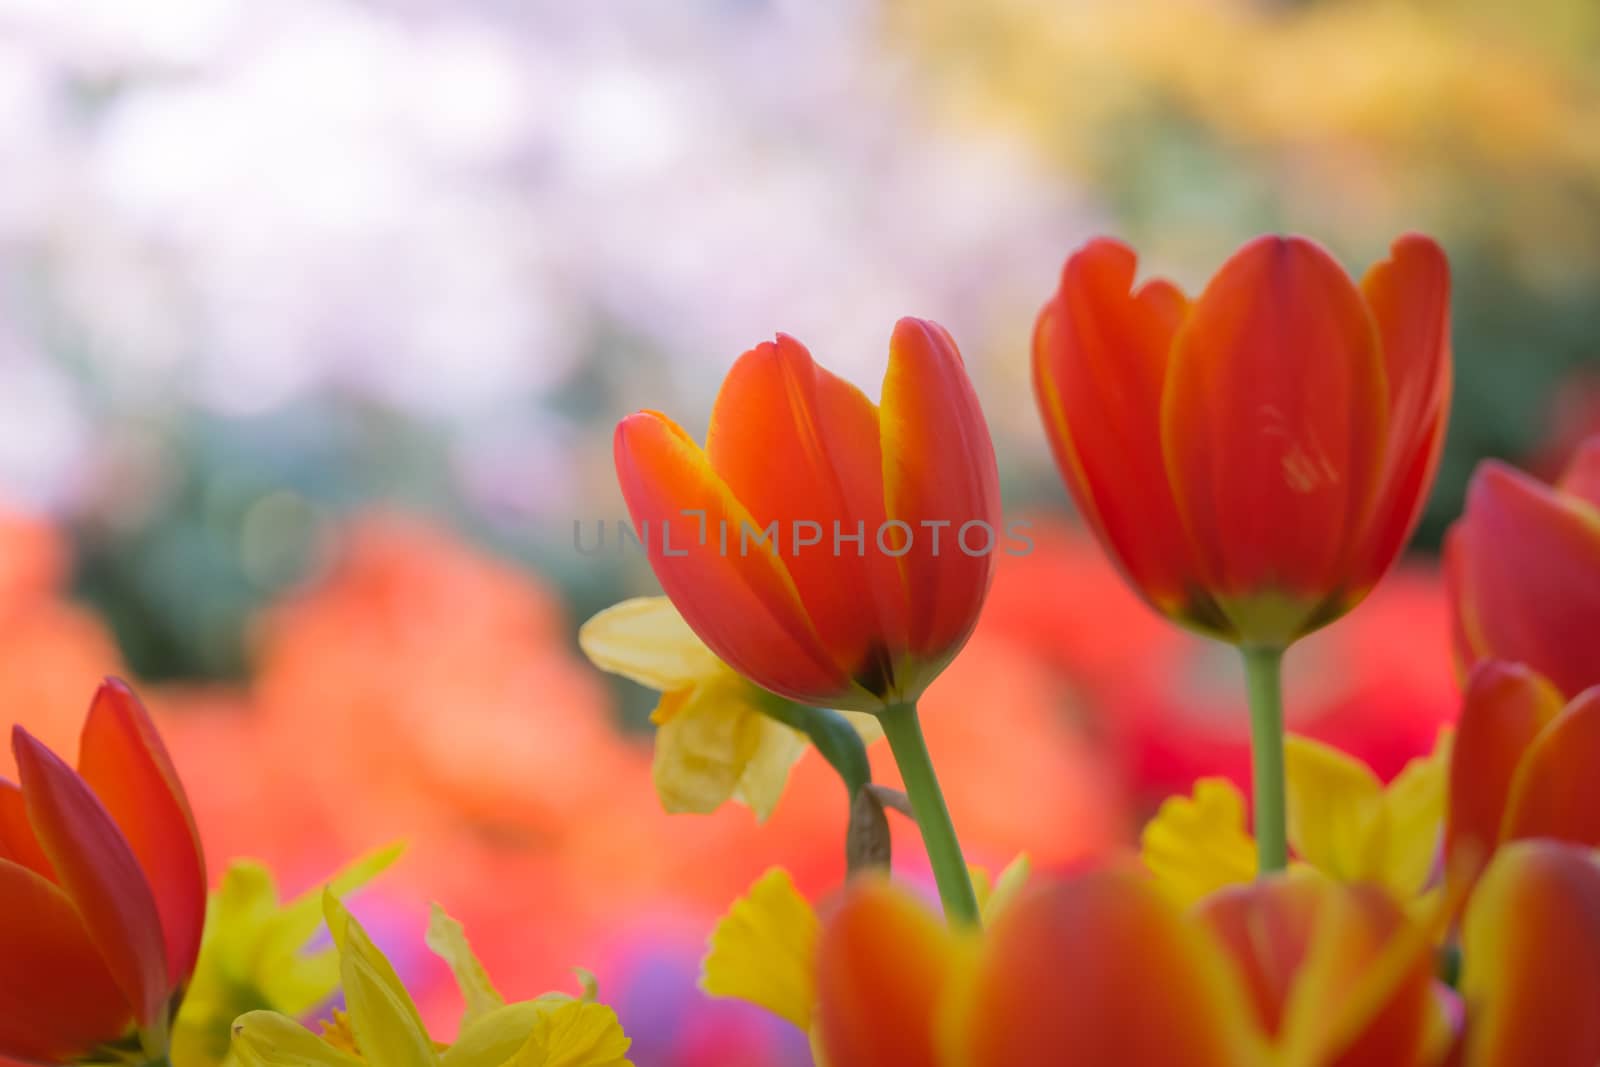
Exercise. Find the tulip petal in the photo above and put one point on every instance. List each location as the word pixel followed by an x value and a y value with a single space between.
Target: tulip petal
pixel 741 602
pixel 1525 564
pixel 939 468
pixel 1582 476
pixel 1099 365
pixel 1103 969
pixel 764 951
pixel 1409 296
pixel 17 842
pixel 795 443
pixel 646 640
pixel 1531 959
pixel 1274 424
pixel 1505 708
pixel 882 963
pixel 123 760
pixel 1556 791
pixel 101 875
pixel 60 1001
pixel 1336 974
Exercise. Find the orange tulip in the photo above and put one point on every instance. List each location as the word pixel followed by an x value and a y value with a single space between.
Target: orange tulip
pixel 1522 766
pixel 102 890
pixel 833 551
pixel 1106 968
pixel 1531 960
pixel 1523 563
pixel 1253 459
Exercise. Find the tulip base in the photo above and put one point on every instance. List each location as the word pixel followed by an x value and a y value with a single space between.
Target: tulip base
pixel 1263 668
pixel 910 748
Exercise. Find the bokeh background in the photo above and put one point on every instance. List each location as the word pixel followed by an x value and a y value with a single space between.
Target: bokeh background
pixel 316 316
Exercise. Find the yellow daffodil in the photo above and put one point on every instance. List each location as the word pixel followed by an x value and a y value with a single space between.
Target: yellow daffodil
pixel 381 1026
pixel 717 737
pixel 253 955
pixel 763 951
pixel 1343 821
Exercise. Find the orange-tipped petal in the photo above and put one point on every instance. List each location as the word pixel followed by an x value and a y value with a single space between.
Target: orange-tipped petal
pixel 1274 426
pixel 1582 476
pixel 1100 353
pixel 1103 969
pixel 882 962
pixel 1556 791
pixel 1267 928
pixel 124 762
pixel 795 443
pixel 60 1001
pixel 1505 707
pixel 1531 960
pixel 100 874
pixel 741 602
pixel 1409 296
pixel 1525 562
pixel 1337 975
pixel 17 842
pixel 939 467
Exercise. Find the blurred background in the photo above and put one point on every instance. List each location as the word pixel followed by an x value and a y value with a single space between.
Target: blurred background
pixel 316 316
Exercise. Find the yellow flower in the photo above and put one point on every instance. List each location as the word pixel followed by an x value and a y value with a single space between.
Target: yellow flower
pixel 252 955
pixel 381 1025
pixel 716 739
pixel 763 951
pixel 1343 821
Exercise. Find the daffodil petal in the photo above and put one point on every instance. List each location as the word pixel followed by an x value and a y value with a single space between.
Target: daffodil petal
pixel 1335 807
pixel 646 640
pixel 767 772
pixel 284 939
pixel 1198 845
pixel 717 744
pixel 995 895
pixel 764 949
pixel 385 1021
pixel 267 1039
pixel 491 1039
pixel 449 942
pixel 576 1034
pixel 869 726
pixel 1414 806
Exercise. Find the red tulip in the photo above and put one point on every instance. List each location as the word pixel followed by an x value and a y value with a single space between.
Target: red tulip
pixel 1523 563
pixel 832 550
pixel 102 890
pixel 1522 766
pixel 1531 960
pixel 1256 458
pixel 1107 969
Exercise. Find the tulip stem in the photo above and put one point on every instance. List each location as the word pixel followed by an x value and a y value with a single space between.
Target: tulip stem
pixel 910 748
pixel 1263 668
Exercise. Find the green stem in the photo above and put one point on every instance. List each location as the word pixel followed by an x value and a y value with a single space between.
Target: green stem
pixel 1263 668
pixel 832 734
pixel 910 750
